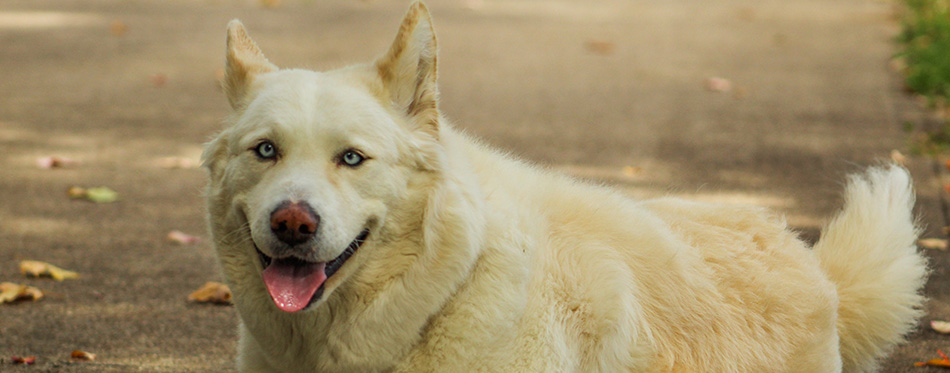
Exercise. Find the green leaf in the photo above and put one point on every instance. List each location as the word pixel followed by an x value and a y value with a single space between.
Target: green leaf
pixel 101 195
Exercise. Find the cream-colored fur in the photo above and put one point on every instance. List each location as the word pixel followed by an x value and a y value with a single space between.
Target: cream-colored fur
pixel 479 262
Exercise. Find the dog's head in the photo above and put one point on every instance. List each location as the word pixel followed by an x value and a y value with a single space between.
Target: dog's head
pixel 313 163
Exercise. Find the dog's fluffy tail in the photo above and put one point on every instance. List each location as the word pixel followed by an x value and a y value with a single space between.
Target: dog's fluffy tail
pixel 869 251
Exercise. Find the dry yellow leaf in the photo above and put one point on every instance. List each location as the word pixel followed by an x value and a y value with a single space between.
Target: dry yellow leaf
pixel 933 243
pixel 212 292
pixel 82 355
pixel 10 292
pixel 33 268
pixel 943 362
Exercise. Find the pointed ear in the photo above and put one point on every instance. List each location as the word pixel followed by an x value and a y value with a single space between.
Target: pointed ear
pixel 244 62
pixel 408 70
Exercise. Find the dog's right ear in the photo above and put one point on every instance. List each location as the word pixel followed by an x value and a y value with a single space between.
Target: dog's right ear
pixel 244 61
pixel 408 70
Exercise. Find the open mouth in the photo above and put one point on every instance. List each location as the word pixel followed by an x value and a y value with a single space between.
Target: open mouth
pixel 295 284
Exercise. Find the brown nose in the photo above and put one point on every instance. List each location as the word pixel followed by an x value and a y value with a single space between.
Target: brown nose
pixel 294 222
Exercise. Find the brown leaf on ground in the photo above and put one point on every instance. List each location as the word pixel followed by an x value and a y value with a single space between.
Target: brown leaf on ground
pixel 10 293
pixel 182 238
pixel 34 268
pixel 601 47
pixel 26 360
pixel 943 362
pixel 933 243
pixel 212 292
pixel 118 28
pixel 56 162
pixel 158 80
pixel 82 355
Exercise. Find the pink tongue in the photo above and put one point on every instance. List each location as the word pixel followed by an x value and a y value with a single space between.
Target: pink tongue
pixel 292 284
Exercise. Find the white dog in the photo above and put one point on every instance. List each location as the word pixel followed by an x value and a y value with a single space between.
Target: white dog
pixel 360 232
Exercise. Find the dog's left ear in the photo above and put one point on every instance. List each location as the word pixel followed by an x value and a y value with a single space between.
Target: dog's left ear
pixel 244 61
pixel 408 70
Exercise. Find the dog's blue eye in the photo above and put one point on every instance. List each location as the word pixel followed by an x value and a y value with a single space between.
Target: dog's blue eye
pixel 266 150
pixel 352 158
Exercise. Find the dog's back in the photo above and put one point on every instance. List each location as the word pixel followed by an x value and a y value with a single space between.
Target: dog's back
pixel 728 288
pixel 688 286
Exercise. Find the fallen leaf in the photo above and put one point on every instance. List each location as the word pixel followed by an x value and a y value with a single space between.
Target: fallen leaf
pixel 717 84
pixel 940 326
pixel 56 162
pixel 118 28
pixel 158 80
pixel 943 362
pixel 947 165
pixel 898 157
pixel 10 292
pixel 28 360
pixel 177 162
pixel 601 47
pixel 97 194
pixel 182 238
pixel 212 292
pixel 270 3
pixel 82 355
pixel 33 268
pixel 934 363
pixel 933 243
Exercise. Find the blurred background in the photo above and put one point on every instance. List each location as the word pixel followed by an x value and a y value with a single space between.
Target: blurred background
pixel 764 102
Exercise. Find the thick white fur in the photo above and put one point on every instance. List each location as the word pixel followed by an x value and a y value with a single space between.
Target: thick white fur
pixel 479 262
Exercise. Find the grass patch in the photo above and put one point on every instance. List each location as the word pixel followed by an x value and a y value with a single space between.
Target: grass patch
pixel 926 39
pixel 926 54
